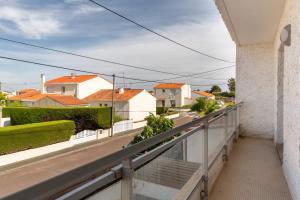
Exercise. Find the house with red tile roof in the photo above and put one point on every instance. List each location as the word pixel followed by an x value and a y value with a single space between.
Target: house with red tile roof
pixel 34 98
pixel 198 93
pixel 133 104
pixel 79 86
pixel 172 94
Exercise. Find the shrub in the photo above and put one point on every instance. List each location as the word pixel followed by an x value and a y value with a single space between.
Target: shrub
pixel 199 105
pixel 84 117
pixel 161 110
pixel 22 137
pixel 155 126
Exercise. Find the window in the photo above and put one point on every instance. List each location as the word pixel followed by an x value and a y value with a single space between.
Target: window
pixel 173 103
pixel 100 104
pixel 163 103
pixel 105 104
pixel 63 89
pixel 163 90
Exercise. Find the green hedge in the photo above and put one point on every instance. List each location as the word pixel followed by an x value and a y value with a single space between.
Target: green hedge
pixel 5 112
pixel 84 117
pixel 22 137
pixel 161 110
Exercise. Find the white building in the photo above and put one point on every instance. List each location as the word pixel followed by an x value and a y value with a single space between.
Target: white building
pixel 79 86
pixel 134 104
pixel 266 33
pixel 172 94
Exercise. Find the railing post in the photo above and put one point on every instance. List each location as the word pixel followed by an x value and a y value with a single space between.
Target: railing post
pixel 237 122
pixel 205 161
pixel 185 149
pixel 225 147
pixel 236 125
pixel 127 180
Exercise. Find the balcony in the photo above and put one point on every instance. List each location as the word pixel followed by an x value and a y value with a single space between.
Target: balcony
pixel 202 159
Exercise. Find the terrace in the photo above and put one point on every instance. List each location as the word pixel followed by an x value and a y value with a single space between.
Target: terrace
pixel 207 159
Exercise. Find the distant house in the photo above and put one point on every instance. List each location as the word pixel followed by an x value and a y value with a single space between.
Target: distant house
pixel 79 86
pixel 34 98
pixel 172 94
pixel 135 104
pixel 198 93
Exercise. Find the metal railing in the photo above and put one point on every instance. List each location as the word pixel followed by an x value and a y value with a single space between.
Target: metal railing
pixel 136 171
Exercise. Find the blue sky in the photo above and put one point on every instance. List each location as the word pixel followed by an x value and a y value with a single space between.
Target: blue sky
pixel 80 26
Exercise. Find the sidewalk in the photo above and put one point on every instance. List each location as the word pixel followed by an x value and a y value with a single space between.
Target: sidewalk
pixel 24 176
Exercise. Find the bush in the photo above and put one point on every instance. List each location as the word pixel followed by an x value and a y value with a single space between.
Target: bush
pixel 155 126
pixel 161 110
pixel 22 137
pixel 199 105
pixel 84 117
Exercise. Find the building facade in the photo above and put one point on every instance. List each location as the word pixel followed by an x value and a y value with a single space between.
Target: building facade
pixel 79 86
pixel 172 94
pixel 133 104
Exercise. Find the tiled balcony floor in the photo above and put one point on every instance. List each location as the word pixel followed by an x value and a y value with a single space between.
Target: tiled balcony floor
pixel 253 172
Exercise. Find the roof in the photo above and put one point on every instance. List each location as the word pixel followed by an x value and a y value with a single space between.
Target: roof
pixel 26 93
pixel 71 79
pixel 106 95
pixel 67 100
pixel 169 85
pixel 34 95
pixel 202 93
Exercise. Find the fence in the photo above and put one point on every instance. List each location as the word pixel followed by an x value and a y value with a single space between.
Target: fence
pixel 179 164
pixel 123 126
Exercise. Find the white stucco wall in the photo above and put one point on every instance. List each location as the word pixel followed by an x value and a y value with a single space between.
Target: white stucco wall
pixel 255 86
pixel 178 95
pixel 91 86
pixel 57 89
pixel 121 107
pixel 80 90
pixel 141 105
pixel 291 115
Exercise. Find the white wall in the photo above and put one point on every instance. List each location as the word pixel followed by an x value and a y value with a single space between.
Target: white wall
pixel 80 90
pixel 91 86
pixel 121 107
pixel 57 89
pixel 291 115
pixel 256 88
pixel 178 95
pixel 140 103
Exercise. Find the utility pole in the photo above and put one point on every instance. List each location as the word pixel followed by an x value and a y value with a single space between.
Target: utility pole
pixel 112 107
pixel 0 86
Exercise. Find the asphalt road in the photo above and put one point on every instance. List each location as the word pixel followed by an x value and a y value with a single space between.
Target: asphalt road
pixel 21 177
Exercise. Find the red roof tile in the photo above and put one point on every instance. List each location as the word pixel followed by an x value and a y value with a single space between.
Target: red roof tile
pixel 202 93
pixel 169 85
pixel 106 95
pixel 72 79
pixel 67 100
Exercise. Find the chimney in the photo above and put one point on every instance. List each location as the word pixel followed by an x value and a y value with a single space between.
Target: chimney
pixel 121 91
pixel 73 75
pixel 43 80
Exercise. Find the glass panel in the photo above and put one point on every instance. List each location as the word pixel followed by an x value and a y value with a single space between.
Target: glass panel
pixel 216 137
pixel 164 177
pixel 112 192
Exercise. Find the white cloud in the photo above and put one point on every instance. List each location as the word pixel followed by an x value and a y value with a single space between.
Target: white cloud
pixel 34 24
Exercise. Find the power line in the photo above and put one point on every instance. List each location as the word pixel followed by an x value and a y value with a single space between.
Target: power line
pixel 79 70
pixel 87 57
pixel 159 34
pixel 189 76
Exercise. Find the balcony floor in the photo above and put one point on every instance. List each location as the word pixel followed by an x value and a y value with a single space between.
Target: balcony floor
pixel 253 172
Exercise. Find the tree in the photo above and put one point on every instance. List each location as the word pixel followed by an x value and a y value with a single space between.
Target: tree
pixel 199 105
pixel 231 84
pixel 3 99
pixel 155 126
pixel 215 88
pixel 205 105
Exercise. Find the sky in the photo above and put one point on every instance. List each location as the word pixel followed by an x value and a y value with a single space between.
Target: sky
pixel 81 27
